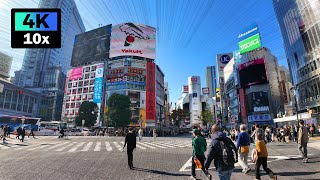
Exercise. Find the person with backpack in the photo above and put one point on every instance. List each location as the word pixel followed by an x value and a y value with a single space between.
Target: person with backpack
pixel 303 139
pixel 199 146
pixel 262 152
pixel 223 152
pixel 243 146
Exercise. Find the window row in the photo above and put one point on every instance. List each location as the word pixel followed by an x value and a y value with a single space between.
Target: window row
pixel 81 83
pixel 71 112
pixel 80 90
pixel 83 97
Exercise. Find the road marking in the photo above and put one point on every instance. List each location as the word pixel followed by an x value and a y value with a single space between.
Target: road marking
pixel 39 147
pixel 98 147
pixel 138 146
pixel 76 147
pixel 4 146
pixel 55 146
pixel 108 146
pixel 117 146
pixel 87 147
pixel 163 144
pixel 146 145
pixel 172 144
pixel 65 147
pixel 155 145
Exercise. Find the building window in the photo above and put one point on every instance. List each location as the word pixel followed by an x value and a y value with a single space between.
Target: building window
pixel 91 89
pixel 84 97
pixel 93 75
pixel 86 76
pixel 75 84
pixel 91 82
pixel 74 91
pixel 79 90
pixel 67 105
pixel 90 96
pixel 85 89
pixel 72 105
pixel 86 83
pixel 80 83
pixel 78 97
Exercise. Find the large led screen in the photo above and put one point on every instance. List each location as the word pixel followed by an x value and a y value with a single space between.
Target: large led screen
pixel 253 72
pixel 91 46
pixel 129 39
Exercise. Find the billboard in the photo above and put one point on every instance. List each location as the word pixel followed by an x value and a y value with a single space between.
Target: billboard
pixel 129 39
pixel 259 118
pixel 284 90
pixel 252 72
pixel 151 92
pixel 242 104
pixel 250 44
pixel 75 73
pixel 248 32
pixel 205 90
pixel 97 95
pixel 257 102
pixel 222 61
pixel 91 46
pixel 185 89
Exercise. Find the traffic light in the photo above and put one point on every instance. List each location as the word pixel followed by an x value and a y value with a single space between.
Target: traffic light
pixel 20 92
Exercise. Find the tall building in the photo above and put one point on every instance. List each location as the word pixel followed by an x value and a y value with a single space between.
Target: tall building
pixel 5 65
pixel 43 70
pixel 299 23
pixel 211 80
pixel 287 93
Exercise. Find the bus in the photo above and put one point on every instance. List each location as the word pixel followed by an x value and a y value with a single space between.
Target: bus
pixel 16 121
pixel 52 125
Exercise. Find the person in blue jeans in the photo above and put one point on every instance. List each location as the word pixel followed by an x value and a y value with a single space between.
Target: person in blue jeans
pixel 215 153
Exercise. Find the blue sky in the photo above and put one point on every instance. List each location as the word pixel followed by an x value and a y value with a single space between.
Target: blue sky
pixel 189 32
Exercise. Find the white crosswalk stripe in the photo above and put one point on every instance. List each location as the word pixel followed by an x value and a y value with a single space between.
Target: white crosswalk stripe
pixel 138 146
pixel 39 147
pixel 76 147
pixel 155 145
pixel 65 147
pixel 163 144
pixel 98 147
pixel 87 147
pixel 108 146
pixel 146 145
pixel 117 146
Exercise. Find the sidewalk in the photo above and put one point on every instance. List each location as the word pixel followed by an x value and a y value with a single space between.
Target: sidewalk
pixel 314 142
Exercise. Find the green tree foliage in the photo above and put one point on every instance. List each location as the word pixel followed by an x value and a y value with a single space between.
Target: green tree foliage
pixel 206 117
pixel 88 111
pixel 119 110
pixel 178 115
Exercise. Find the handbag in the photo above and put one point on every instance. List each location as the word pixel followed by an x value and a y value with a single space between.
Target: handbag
pixel 244 149
pixel 254 155
pixel 198 163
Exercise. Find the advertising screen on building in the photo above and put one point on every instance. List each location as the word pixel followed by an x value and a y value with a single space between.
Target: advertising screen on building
pixel 75 73
pixel 222 61
pixel 205 90
pixel 91 46
pixel 129 39
pixel 97 96
pixel 151 92
pixel 253 72
pixel 248 32
pixel 257 102
pixel 185 89
pixel 250 44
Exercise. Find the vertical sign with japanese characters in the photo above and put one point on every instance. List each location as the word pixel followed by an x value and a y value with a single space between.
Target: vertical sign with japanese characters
pixel 151 92
pixel 97 95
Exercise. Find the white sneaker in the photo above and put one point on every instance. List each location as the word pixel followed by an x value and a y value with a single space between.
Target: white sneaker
pixel 193 177
pixel 247 170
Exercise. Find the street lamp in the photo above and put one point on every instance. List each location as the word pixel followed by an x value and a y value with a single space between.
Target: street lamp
pixel 296 102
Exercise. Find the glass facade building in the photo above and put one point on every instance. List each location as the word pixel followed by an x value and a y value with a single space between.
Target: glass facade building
pixel 299 22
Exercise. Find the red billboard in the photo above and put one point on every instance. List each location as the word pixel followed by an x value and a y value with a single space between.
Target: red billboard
pixel 253 72
pixel 285 96
pixel 75 73
pixel 185 89
pixel 151 92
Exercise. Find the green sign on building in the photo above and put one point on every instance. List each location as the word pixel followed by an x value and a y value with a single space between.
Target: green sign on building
pixel 250 44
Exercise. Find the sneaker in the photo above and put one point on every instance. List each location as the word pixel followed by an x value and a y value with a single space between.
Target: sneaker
pixel 193 177
pixel 247 170
pixel 209 176
pixel 274 177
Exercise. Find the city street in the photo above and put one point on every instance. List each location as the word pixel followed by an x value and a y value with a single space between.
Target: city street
pixel 102 158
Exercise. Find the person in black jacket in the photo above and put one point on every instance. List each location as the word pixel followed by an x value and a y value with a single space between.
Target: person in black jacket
pixel 216 153
pixel 131 145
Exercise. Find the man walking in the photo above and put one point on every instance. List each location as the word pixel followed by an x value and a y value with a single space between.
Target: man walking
pixel 199 146
pixel 31 133
pixel 23 134
pixel 243 144
pixel 223 152
pixel 130 141
pixel 303 141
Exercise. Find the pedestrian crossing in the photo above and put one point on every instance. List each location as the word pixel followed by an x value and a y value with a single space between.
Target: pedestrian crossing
pixel 98 146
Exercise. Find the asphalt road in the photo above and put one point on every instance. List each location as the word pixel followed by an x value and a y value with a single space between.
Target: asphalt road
pixel 101 158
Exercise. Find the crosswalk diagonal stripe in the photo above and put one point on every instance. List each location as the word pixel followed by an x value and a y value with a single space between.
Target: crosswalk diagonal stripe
pixel 4 147
pixel 155 145
pixel 87 147
pixel 39 147
pixel 76 147
pixel 117 146
pixel 55 146
pixel 138 146
pixel 108 146
pixel 65 147
pixel 97 147
pixel 163 144
pixel 172 144
pixel 146 145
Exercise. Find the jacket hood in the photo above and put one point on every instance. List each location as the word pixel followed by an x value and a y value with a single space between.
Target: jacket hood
pixel 218 135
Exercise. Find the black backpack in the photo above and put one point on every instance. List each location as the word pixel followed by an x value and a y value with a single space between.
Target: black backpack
pixel 229 151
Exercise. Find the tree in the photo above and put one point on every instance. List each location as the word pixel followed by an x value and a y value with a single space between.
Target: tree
pixel 206 117
pixel 119 110
pixel 178 115
pixel 88 112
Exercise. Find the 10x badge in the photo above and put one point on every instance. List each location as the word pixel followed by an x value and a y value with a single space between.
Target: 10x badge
pixel 35 28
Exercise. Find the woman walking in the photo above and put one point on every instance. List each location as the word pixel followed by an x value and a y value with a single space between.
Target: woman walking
pixel 262 157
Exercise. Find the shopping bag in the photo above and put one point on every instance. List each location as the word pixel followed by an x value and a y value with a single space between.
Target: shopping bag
pixel 198 163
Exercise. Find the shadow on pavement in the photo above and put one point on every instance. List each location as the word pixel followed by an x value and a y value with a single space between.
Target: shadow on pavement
pixel 296 173
pixel 159 172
